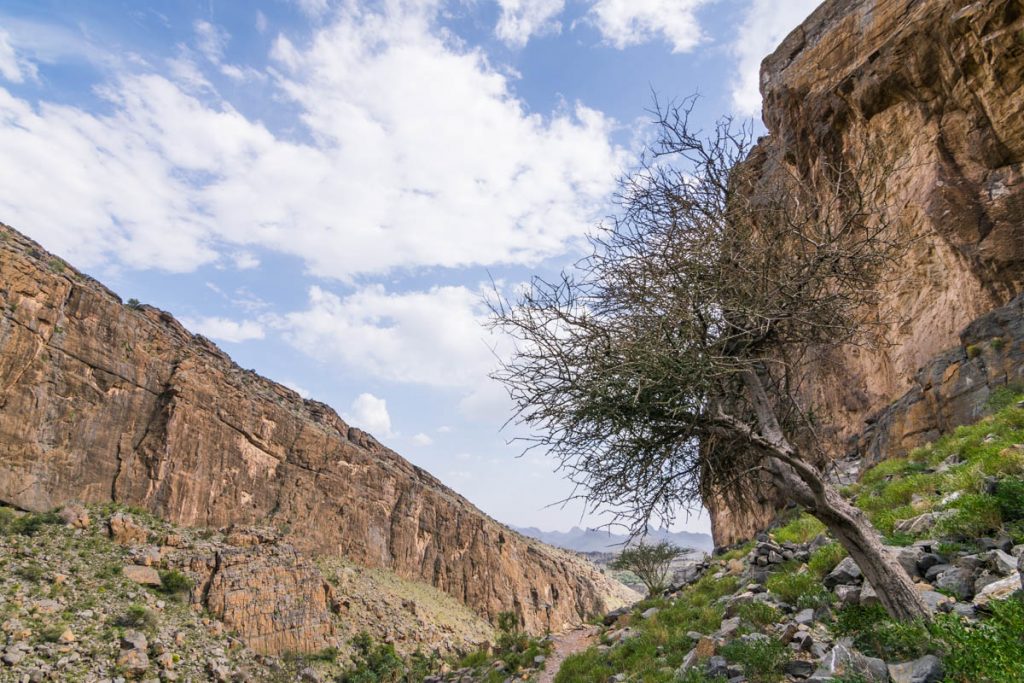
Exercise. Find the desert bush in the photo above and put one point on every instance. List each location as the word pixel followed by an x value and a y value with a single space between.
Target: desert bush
pixel 762 660
pixel 824 559
pixel 803 590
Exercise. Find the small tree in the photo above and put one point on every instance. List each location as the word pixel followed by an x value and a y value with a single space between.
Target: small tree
pixel 650 563
pixel 669 367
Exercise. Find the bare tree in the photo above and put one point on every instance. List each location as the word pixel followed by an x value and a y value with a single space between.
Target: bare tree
pixel 650 563
pixel 668 367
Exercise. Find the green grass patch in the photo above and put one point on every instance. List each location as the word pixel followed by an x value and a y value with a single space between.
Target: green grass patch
pixel 759 614
pixel 763 660
pixel 989 651
pixel 824 559
pixel 801 530
pixel 876 634
pixel 802 590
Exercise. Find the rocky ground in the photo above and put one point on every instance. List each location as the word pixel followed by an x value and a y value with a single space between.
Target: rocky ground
pixel 790 606
pixel 104 594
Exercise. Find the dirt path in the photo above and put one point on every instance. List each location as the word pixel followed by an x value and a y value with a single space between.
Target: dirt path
pixel 565 645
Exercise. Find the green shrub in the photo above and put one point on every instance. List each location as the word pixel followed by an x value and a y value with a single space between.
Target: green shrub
pixel 373 663
pixel 30 572
pixel 824 559
pixel 989 651
pixel 976 515
pixel 758 613
pixel 877 635
pixel 134 304
pixel 31 524
pixel 763 661
pixel 51 633
pixel 800 530
pixel 1006 396
pixel 803 590
pixel 7 518
pixel 136 616
pixel 173 582
pixel 1009 496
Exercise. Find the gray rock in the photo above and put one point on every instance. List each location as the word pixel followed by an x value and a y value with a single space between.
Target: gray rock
pixel 729 627
pixel 928 669
pixel 843 660
pixel 935 570
pixel 1003 563
pixel 134 640
pixel 907 557
pixel 926 561
pixel 846 573
pixel 935 601
pixel 649 612
pixel 805 617
pixel 998 590
pixel 848 595
pixel 800 668
pixel 13 656
pixel 959 581
pixel 716 667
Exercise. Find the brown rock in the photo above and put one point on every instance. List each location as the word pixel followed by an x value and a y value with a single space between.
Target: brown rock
pixel 164 420
pixel 146 576
pixel 931 89
pixel 75 515
pixel 126 531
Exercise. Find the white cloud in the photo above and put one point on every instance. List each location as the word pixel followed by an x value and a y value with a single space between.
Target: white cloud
pixel 415 153
pixel 245 260
pixel 12 67
pixel 370 414
pixel 767 22
pixel 313 8
pixel 434 338
pixel 631 22
pixel 225 329
pixel 422 439
pixel 521 19
pixel 261 21
pixel 211 41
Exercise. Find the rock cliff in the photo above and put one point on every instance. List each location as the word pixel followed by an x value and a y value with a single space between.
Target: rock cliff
pixel 931 94
pixel 100 401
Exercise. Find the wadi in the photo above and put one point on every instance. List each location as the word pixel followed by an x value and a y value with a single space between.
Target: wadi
pixel 655 387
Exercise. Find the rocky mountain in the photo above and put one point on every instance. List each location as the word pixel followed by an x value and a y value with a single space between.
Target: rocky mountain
pixel 925 95
pixel 604 541
pixel 106 402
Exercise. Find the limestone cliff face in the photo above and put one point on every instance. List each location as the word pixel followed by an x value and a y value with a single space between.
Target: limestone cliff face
pixel 933 89
pixel 101 402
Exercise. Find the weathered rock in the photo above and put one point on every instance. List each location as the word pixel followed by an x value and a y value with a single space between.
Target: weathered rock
pixel 846 573
pixel 799 668
pixel 868 596
pixel 75 515
pixel 958 580
pixel 857 72
pixel 146 576
pixel 848 595
pixel 927 669
pixel 843 660
pixel 926 562
pixel 998 590
pixel 126 531
pixel 127 405
pixel 272 596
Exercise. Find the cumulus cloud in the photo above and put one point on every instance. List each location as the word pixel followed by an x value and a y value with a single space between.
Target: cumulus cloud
pixel 415 153
pixel 422 439
pixel 432 338
pixel 766 23
pixel 623 23
pixel 522 19
pixel 211 40
pixel 370 414
pixel 225 329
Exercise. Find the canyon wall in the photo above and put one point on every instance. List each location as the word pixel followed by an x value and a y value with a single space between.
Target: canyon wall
pixel 929 96
pixel 100 401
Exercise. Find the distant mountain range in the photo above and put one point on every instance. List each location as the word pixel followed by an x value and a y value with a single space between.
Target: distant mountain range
pixel 603 541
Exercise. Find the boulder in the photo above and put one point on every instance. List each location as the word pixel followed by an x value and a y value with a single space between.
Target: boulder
pixel 124 530
pixel 998 590
pixel 959 581
pixel 926 561
pixel 927 669
pixel 846 573
pixel 844 661
pixel 848 595
pixel 145 576
pixel 75 516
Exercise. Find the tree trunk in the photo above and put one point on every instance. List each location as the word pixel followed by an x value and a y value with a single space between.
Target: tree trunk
pixel 806 484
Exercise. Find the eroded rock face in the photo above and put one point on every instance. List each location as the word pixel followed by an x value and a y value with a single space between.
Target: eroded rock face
pixel 926 94
pixel 100 402
pixel 267 592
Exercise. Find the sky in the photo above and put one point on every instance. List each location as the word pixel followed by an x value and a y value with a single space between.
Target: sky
pixel 328 189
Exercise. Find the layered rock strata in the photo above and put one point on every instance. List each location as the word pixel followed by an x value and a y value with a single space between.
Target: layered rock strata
pixel 100 401
pixel 926 96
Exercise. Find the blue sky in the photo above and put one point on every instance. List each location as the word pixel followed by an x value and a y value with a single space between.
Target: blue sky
pixel 326 188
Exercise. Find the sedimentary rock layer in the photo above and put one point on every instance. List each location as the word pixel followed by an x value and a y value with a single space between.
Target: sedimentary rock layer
pixel 101 401
pixel 927 95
